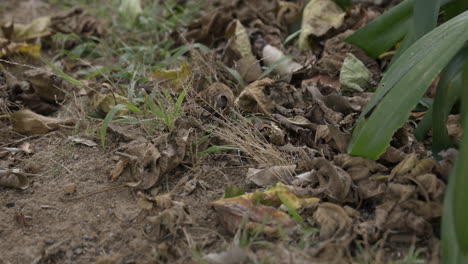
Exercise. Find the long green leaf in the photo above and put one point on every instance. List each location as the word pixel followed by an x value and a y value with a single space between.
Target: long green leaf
pixel 110 115
pixel 404 84
pixel 425 16
pixel 448 92
pixel 460 195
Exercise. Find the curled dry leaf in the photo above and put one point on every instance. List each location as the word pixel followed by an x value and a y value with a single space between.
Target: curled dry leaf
pixel 333 220
pixel 46 84
pixel 284 66
pixel 271 176
pixel 334 181
pixel 169 221
pixel 231 211
pixel 354 74
pixel 333 136
pixel 13 178
pixel 238 40
pixel 318 18
pixel 263 96
pixel 218 96
pixel 83 141
pixel 147 163
pixel 40 27
pixel 26 121
pixel 105 102
pixel 176 79
pixel 359 168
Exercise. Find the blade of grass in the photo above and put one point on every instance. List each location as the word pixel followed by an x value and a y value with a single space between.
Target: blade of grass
pixel 295 215
pixel 110 115
pixel 62 74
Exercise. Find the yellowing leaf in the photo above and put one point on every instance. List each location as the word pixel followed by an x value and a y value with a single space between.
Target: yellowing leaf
pixel 175 78
pixel 318 18
pixel 105 102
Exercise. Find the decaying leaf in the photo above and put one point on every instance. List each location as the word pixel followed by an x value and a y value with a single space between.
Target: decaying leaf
pixel 13 178
pixel 105 102
pixel 263 96
pixel 271 176
pixel 318 18
pixel 40 27
pixel 354 74
pixel 258 207
pixel 232 210
pixel 333 136
pixel 333 220
pixel 26 121
pixel 238 39
pixel 333 180
pixel 177 79
pixel 46 84
pixel 169 221
pixel 83 141
pixel 147 163
pixel 284 66
pixel 218 96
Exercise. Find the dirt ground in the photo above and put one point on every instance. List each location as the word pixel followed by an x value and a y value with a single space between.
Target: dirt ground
pixel 147 196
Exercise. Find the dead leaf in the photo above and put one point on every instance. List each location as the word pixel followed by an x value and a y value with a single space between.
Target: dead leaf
pixel 354 74
pixel 83 141
pixel 264 96
pixel 271 176
pixel 284 66
pixel 218 96
pixel 169 221
pixel 333 220
pixel 176 79
pixel 334 181
pixel 13 178
pixel 319 16
pixel 105 102
pixel 231 212
pixel 26 121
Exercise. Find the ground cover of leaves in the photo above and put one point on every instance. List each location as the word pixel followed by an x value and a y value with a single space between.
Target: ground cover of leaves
pixel 251 167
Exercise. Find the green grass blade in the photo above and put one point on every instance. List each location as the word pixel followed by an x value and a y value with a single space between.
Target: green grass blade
pixel 63 75
pixel 424 125
pixel 415 69
pixel 448 92
pixel 180 101
pixel 295 215
pixel 110 115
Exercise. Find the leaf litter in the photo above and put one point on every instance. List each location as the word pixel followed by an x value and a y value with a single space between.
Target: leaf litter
pixel 268 115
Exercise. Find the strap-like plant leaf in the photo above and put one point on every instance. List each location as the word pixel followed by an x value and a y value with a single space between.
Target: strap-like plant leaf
pixel 404 84
pixel 448 91
pixel 455 215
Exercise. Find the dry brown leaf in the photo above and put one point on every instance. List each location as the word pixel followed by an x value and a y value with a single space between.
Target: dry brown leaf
pixel 46 84
pixel 271 176
pixel 218 96
pixel 105 102
pixel 319 17
pixel 231 212
pixel 83 141
pixel 333 221
pixel 26 121
pixel 169 221
pixel 335 182
pixel 13 178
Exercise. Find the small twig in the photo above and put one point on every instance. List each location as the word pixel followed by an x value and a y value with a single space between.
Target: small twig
pixel 65 199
